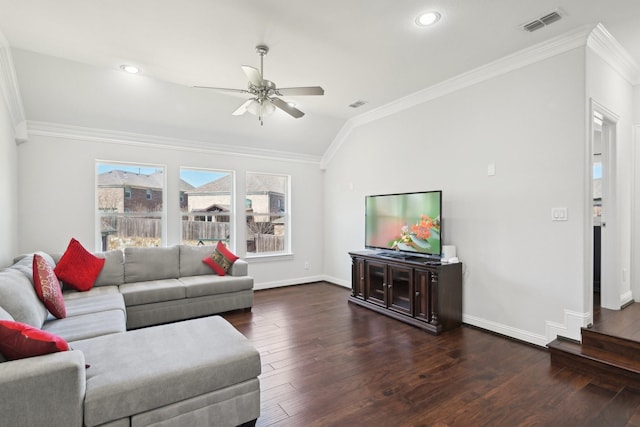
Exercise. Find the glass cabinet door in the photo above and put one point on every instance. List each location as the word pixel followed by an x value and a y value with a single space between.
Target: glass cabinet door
pixel 377 284
pixel 400 288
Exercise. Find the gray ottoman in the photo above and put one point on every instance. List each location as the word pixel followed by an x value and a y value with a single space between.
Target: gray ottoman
pixel 199 372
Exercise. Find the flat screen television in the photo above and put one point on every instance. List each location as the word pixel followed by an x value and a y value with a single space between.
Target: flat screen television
pixel 409 223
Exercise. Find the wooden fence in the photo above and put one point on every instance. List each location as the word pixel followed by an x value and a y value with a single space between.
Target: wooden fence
pixel 267 243
pixel 127 227
pixel 196 230
pixel 152 227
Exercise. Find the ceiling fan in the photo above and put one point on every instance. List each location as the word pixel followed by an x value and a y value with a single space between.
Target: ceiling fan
pixel 265 93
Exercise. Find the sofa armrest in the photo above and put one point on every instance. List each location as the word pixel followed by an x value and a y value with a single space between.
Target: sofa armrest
pixel 239 268
pixel 43 391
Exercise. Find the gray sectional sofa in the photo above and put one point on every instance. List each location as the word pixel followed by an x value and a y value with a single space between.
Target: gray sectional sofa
pixel 135 359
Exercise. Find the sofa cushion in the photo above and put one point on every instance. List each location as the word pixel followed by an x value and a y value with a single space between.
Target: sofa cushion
pixel 197 286
pixel 19 340
pixel 95 291
pixel 113 271
pixel 221 259
pixel 94 304
pixel 4 315
pixel 19 299
pixel 88 325
pixel 47 287
pixel 152 291
pixel 153 367
pixel 143 264
pixel 78 267
pixel 191 260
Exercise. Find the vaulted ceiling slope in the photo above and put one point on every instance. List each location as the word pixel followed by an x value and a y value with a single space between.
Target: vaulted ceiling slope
pixel 67 56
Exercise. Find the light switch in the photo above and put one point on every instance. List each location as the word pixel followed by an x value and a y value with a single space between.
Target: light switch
pixel 491 169
pixel 559 214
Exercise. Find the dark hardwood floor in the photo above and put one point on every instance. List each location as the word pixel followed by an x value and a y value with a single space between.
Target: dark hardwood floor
pixel 330 363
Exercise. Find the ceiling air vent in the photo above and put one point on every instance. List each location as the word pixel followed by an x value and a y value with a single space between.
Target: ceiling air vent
pixel 357 104
pixel 545 20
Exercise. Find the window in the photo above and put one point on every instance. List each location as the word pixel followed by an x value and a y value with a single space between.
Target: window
pixel 267 213
pixel 130 205
pixel 206 203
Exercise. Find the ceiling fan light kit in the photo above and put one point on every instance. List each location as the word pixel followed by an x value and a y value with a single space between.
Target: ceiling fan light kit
pixel 265 92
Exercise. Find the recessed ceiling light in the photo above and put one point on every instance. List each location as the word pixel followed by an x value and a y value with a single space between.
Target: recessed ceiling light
pixel 428 18
pixel 132 69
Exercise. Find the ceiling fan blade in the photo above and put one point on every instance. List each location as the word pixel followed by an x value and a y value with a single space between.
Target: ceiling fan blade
pixel 292 111
pixel 309 90
pixel 253 75
pixel 243 108
pixel 224 89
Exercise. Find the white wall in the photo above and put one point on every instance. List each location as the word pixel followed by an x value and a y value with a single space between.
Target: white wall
pixel 11 127
pixel 521 270
pixel 609 89
pixel 8 188
pixel 57 202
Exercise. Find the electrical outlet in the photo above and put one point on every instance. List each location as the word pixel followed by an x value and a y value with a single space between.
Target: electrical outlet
pixel 306 265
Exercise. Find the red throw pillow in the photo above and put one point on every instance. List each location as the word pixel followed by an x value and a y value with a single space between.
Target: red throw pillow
pixel 19 340
pixel 221 259
pixel 78 267
pixel 47 287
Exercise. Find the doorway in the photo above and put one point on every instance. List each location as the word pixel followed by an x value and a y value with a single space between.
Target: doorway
pixel 603 214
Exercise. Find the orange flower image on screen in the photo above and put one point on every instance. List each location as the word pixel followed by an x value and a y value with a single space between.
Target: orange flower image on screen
pixel 423 228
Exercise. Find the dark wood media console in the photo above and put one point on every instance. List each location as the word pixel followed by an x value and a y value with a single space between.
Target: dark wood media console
pixel 410 289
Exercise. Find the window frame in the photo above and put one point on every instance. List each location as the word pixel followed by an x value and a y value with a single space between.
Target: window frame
pixel 98 214
pixel 287 252
pixel 232 215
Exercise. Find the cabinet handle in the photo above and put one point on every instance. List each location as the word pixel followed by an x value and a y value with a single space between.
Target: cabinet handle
pixel 417 294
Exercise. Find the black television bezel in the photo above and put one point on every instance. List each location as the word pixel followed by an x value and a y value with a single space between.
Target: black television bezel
pixel 400 252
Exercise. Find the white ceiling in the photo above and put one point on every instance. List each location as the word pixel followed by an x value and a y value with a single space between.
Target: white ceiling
pixel 67 55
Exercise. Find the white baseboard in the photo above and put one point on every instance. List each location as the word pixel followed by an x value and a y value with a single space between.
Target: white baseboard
pixel 573 322
pixel 288 282
pixel 301 281
pixel 626 298
pixel 336 281
pixel 509 331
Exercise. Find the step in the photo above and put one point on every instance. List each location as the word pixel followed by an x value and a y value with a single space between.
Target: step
pixel 570 354
pixel 596 342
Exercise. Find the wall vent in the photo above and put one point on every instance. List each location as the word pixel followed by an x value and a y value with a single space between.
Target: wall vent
pixel 543 21
pixel 357 104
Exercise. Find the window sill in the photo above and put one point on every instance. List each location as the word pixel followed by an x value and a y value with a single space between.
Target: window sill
pixel 269 257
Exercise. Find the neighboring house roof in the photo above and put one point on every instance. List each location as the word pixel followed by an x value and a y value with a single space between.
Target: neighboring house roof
pixel 185 186
pixel 119 178
pixel 214 208
pixel 257 184
pixel 220 185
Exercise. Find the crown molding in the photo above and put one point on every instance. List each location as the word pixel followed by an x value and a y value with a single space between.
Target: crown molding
pixel 11 91
pixel 608 48
pixel 539 52
pixel 57 130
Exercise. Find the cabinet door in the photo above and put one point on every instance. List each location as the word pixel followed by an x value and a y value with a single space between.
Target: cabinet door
pixel 357 279
pixel 376 283
pixel 422 296
pixel 400 288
